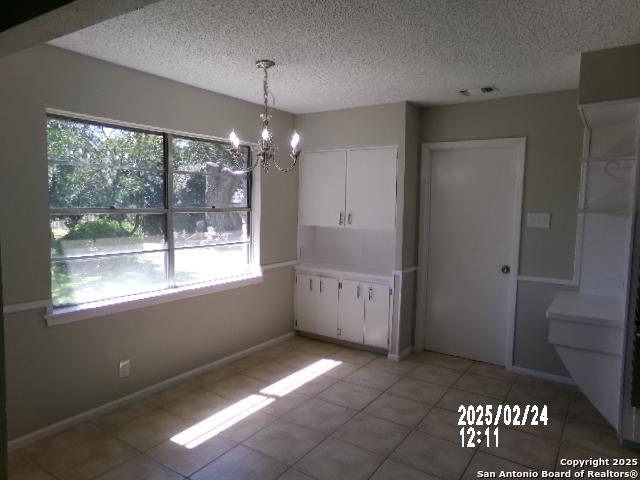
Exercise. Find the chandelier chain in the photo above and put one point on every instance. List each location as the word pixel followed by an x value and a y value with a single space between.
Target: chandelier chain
pixel 266 147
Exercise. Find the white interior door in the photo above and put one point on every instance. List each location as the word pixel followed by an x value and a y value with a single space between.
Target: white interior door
pixel 322 182
pixel 376 315
pixel 351 312
pixel 473 234
pixel 305 303
pixel 326 315
pixel 371 188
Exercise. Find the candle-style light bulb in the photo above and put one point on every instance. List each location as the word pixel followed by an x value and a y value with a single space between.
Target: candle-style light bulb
pixel 235 141
pixel 295 139
pixel 265 134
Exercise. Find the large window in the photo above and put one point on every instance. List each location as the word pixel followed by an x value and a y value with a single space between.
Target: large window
pixel 133 211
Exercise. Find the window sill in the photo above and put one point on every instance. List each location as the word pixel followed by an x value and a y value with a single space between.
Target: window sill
pixel 59 316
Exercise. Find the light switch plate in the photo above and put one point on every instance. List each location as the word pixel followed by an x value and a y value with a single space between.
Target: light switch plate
pixel 124 368
pixel 538 220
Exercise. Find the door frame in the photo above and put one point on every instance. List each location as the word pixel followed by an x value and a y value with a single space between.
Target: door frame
pixel 519 145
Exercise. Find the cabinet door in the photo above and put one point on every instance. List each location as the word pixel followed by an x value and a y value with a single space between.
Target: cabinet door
pixel 326 314
pixel 322 177
pixel 305 303
pixel 351 312
pixel 371 188
pixel 376 315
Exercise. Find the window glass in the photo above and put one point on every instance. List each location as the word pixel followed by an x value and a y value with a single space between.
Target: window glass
pixel 193 229
pixel 202 264
pixel 85 143
pixel 82 187
pixel 110 211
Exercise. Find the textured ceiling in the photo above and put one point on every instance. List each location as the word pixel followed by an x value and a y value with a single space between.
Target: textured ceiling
pixel 336 54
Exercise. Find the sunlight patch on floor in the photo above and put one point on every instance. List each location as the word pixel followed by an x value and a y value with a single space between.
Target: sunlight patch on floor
pixel 299 378
pixel 226 418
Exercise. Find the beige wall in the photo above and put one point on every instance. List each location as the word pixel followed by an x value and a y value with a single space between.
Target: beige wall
pixel 610 74
pixel 377 125
pixel 553 130
pixel 411 186
pixel 55 372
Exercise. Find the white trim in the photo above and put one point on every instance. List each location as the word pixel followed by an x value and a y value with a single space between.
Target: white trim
pixel 134 302
pixel 394 321
pixel 519 144
pixel 107 407
pixel 402 355
pixel 350 149
pixel 550 280
pixel 405 271
pixel 271 266
pixel 347 274
pixel 46 304
pixel 142 126
pixel 542 375
pixel 26 306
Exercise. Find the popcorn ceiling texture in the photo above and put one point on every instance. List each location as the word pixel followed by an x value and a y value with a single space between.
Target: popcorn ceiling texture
pixel 337 54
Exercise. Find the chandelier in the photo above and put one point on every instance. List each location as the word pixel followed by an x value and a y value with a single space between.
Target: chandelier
pixel 266 151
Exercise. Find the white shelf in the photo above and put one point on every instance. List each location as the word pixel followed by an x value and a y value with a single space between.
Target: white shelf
pixel 600 310
pixel 610 113
pixel 607 159
pixel 339 271
pixel 624 212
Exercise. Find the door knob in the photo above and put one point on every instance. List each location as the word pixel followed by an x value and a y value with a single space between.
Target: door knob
pixel 505 269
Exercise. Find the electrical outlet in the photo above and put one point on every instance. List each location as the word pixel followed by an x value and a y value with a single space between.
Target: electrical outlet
pixel 538 220
pixel 124 368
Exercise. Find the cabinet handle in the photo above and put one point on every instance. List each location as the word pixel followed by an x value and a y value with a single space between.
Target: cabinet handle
pixel 358 291
pixel 311 284
pixel 320 286
pixel 370 293
pixel 341 219
pixel 349 218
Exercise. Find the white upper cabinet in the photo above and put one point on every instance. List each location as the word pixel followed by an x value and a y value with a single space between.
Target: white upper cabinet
pixel 351 188
pixel 322 198
pixel 371 188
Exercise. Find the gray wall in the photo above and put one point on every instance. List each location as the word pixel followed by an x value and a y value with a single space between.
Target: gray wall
pixel 554 135
pixel 410 225
pixel 610 74
pixel 55 372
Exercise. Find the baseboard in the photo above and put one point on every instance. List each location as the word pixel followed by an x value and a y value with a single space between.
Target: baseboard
pixel 630 444
pixel 542 375
pixel 107 407
pixel 396 357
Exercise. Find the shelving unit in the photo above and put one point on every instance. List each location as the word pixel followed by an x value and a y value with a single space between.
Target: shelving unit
pixel 588 327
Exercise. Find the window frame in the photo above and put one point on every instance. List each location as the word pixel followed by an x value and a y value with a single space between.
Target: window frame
pixel 64 313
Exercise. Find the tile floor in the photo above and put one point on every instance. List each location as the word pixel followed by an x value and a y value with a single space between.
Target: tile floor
pixel 365 418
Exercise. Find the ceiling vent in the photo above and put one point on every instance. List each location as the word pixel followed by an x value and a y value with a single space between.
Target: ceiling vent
pixel 478 90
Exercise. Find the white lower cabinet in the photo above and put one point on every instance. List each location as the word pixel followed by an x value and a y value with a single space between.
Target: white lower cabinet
pixel 376 315
pixel 326 311
pixel 350 310
pixel 305 303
